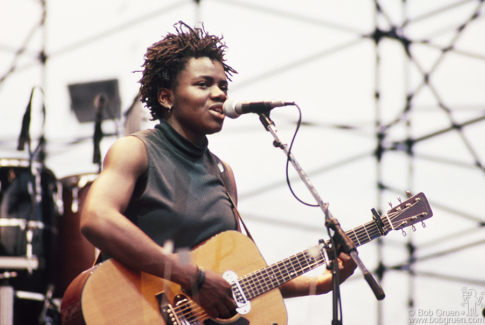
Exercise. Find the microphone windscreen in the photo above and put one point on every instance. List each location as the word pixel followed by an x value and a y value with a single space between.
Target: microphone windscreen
pixel 229 108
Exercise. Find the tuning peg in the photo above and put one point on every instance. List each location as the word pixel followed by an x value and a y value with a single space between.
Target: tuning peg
pixel 408 193
pixel 390 203
pixel 403 233
pixel 413 228
pixel 399 199
pixel 423 224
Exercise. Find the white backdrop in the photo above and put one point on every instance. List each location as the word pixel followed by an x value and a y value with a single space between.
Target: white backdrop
pixel 320 55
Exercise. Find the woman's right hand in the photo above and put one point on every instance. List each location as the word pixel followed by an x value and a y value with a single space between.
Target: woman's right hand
pixel 215 296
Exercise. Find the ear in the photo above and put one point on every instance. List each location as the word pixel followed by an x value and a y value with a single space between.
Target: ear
pixel 165 97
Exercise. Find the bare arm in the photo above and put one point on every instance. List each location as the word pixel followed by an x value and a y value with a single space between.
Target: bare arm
pixel 103 223
pixel 305 285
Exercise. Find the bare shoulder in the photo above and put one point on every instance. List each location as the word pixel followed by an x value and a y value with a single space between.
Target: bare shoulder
pixel 124 163
pixel 128 156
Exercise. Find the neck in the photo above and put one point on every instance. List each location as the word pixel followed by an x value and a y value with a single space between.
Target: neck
pixel 197 139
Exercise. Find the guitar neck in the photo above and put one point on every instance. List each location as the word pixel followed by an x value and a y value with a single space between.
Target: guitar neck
pixel 272 276
pixel 363 234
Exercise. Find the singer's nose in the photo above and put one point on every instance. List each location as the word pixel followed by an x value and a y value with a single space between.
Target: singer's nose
pixel 218 94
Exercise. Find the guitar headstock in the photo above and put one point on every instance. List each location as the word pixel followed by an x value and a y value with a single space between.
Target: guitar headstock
pixel 413 210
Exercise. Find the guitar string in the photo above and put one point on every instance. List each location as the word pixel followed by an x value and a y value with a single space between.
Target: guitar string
pixel 268 273
pixel 190 311
pixel 252 282
pixel 363 234
pixel 251 285
pixel 392 216
pixel 278 273
pixel 257 276
pixel 285 269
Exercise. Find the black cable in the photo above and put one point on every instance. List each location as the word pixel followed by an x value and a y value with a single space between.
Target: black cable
pixel 298 124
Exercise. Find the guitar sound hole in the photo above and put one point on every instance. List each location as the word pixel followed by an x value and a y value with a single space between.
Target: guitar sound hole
pixel 185 310
pixel 233 313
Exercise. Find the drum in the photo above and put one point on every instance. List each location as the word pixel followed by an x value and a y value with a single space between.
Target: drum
pixel 29 200
pixel 28 195
pixel 74 253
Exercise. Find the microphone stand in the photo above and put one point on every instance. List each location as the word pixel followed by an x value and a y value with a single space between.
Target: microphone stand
pixel 100 102
pixel 339 237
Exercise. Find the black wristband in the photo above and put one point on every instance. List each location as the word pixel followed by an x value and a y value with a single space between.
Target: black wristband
pixel 197 284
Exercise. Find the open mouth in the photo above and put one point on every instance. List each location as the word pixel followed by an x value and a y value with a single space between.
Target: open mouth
pixel 217 111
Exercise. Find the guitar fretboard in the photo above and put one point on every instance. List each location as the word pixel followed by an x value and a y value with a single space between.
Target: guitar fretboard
pixel 272 276
pixel 363 234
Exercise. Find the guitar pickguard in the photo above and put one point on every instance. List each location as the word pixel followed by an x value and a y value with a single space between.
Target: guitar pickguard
pixel 243 304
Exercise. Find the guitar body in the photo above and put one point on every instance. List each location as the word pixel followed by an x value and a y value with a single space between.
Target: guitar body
pixel 111 293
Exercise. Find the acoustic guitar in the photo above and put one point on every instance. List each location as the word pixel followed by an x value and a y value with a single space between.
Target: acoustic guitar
pixel 110 293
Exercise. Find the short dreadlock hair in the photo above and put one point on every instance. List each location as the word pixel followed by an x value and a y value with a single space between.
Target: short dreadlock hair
pixel 165 59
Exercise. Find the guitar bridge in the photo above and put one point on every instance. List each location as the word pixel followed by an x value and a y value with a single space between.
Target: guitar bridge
pixel 170 316
pixel 243 304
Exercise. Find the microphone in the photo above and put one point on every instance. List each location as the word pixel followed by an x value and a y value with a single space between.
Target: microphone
pixel 24 136
pixel 234 108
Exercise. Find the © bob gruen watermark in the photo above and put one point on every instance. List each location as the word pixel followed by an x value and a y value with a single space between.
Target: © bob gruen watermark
pixel 471 311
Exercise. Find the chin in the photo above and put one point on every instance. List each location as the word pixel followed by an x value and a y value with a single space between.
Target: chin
pixel 214 131
pixel 217 127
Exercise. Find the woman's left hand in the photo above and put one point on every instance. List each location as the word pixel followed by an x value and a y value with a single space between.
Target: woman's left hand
pixel 307 285
pixel 346 267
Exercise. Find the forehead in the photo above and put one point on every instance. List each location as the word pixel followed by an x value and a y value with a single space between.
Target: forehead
pixel 202 67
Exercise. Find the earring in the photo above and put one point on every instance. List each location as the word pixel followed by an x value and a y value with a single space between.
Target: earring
pixel 169 109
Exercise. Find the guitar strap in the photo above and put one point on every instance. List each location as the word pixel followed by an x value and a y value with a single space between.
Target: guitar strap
pixel 230 185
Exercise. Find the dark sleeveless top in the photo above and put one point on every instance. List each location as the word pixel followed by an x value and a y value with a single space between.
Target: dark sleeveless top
pixel 182 196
